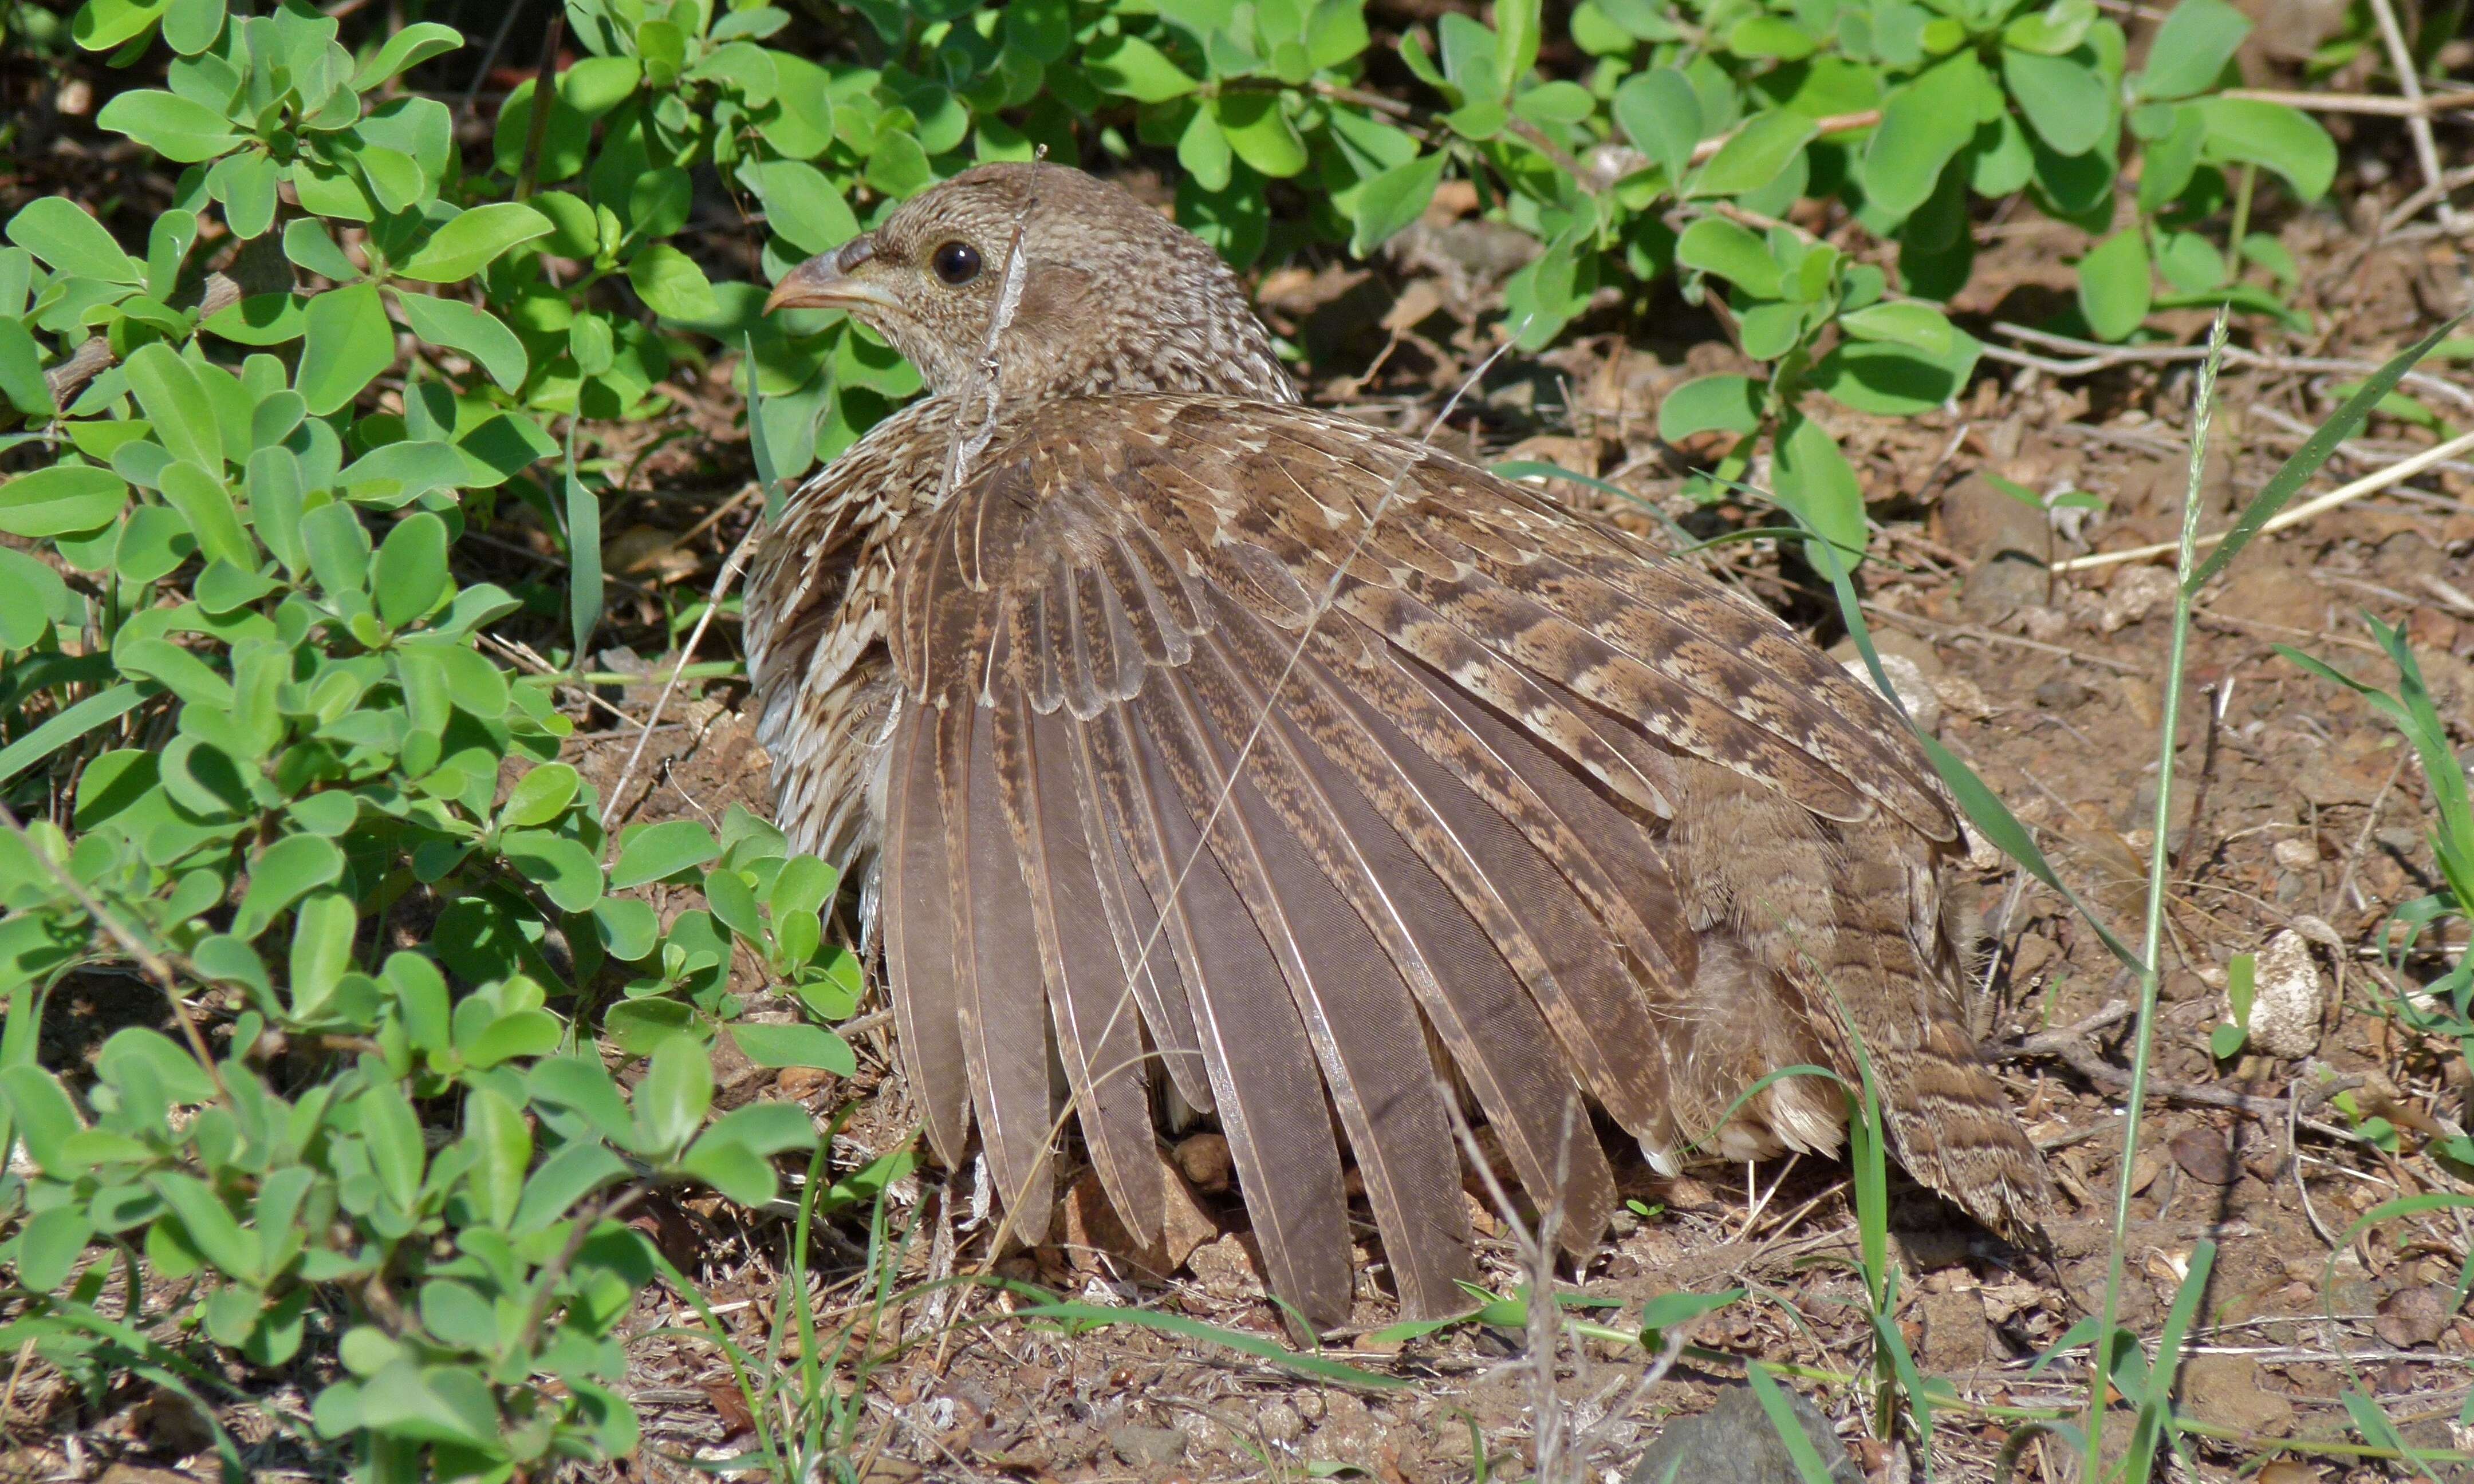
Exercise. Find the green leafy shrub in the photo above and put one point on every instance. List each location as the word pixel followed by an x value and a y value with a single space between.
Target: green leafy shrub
pixel 253 739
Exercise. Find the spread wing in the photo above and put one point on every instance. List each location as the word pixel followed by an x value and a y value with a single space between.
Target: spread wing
pixel 1250 749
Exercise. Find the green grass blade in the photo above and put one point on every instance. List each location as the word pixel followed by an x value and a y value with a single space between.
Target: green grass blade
pixel 583 553
pixel 2314 451
pixel 66 728
pixel 2156 1421
pixel 1791 1428
pixel 768 471
pixel 1092 1315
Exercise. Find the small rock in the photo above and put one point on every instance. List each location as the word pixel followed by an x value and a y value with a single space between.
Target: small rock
pixel 798 1083
pixel 2287 999
pixel 171 1425
pixel 1981 522
pixel 1225 1269
pixel 2204 1155
pixel 1914 687
pixel 1204 1161
pixel 2296 854
pixel 1148 1447
pixel 1957 1339
pixel 1280 1423
pixel 2062 694
pixel 1092 1227
pixel 2227 1390
pixel 2135 593
pixel 2412 1316
pixel 1734 1443
pixel 1996 590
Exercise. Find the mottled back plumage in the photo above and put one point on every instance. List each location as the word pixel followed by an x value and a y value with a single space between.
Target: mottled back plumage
pixel 1195 739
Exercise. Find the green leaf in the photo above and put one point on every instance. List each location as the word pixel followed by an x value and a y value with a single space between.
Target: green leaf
pixel 1516 38
pixel 1659 111
pixel 1753 154
pixel 403 51
pixel 1771 36
pixel 2190 49
pixel 650 853
pixel 672 1100
pixel 1728 402
pixel 472 240
pixel 803 206
pixel 308 247
pixel 409 576
pixel 44 1116
pixel 260 320
pixel 176 669
pixel 539 796
pixel 321 949
pixel 21 371
pixel 59 232
pixel 1132 67
pixel 94 711
pixel 345 343
pixel 175 127
pixel 174 402
pixel 2245 131
pixel 208 1223
pixel 191 26
pixel 1391 200
pixel 101 25
pixel 565 1177
pixel 1714 244
pixel 1901 321
pixel 1259 131
pixel 671 284
pixel 205 501
pixel 1922 127
pixel 567 873
pixel 477 332
pixel 284 873
pixel 1894 379
pixel 49 1245
pixel 527 1033
pixel 1814 480
pixel 2115 285
pixel 796 1046
pixel 2066 104
pixel 392 1132
pixel 62 500
pixel 31 597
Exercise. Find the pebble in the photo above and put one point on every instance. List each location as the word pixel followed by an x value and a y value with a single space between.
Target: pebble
pixel 1148 1447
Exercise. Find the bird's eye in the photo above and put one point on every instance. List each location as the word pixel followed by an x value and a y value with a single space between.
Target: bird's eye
pixel 956 263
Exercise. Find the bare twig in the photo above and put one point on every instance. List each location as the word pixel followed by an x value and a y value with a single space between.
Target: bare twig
pixel 2422 106
pixel 2370 484
pixel 2426 152
pixel 730 568
pixel 2070 1046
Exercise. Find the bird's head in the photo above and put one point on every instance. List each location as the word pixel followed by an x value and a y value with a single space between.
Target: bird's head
pixel 1113 296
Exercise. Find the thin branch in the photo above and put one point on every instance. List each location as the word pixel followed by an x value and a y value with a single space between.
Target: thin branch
pixel 720 589
pixel 2411 107
pixel 2370 484
pixel 2426 152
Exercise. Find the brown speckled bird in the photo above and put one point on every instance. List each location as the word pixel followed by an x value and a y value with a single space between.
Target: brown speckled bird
pixel 1210 748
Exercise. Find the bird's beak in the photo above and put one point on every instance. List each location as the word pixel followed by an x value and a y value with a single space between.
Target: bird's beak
pixel 832 281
